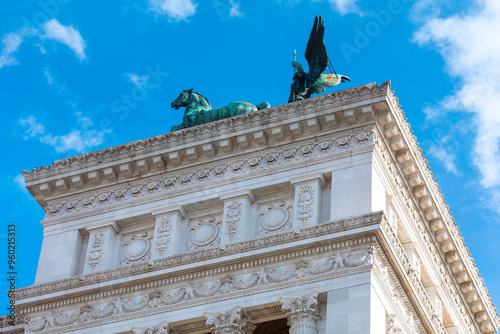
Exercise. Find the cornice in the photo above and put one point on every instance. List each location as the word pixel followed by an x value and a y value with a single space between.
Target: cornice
pixel 217 139
pixel 417 185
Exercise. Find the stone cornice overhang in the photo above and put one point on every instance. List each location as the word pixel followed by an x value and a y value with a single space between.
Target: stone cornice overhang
pixel 431 217
pixel 206 263
pixel 216 140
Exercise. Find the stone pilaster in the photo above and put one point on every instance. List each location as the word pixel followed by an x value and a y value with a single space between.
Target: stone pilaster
pixel 100 249
pixel 236 221
pixel 302 313
pixel 308 197
pixel 167 234
pixel 231 322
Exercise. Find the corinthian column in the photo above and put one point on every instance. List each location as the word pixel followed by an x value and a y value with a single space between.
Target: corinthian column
pixel 232 322
pixel 302 313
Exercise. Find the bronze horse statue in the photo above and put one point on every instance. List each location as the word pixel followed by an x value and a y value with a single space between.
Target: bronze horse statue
pixel 199 110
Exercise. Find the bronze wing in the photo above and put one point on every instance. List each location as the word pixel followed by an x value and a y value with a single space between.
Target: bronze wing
pixel 316 55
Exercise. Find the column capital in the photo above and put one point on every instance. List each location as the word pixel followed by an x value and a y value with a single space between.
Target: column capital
pixel 302 311
pixel 231 322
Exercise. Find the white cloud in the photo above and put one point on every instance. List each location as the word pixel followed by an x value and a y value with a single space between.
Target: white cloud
pixel 79 140
pixel 48 76
pixel 469 45
pixel 177 10
pixel 76 140
pixel 341 6
pixel 33 128
pixel 345 6
pixel 66 35
pixel 235 10
pixel 138 80
pixel 19 181
pixel 445 156
pixel 11 43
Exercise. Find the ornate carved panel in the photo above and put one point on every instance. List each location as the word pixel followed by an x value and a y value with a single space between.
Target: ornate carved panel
pixel 275 217
pixel 136 247
pixel 204 233
pixel 233 219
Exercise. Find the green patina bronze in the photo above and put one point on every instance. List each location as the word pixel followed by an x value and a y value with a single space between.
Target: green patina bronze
pixel 314 82
pixel 199 110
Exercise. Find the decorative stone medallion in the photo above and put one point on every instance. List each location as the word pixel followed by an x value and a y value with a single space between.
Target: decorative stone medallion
pixel 136 248
pixel 204 233
pixel 274 218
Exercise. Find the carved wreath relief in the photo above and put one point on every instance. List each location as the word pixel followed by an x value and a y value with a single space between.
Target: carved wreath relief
pixel 136 248
pixel 204 233
pixel 275 218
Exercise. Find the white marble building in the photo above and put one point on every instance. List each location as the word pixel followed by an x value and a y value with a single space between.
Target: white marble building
pixel 318 216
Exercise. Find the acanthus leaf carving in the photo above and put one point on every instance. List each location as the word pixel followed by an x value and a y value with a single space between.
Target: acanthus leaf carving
pixel 231 322
pixel 302 311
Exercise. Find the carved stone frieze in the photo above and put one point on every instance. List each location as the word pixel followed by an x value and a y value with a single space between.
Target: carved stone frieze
pixel 205 254
pixel 195 178
pixel 191 292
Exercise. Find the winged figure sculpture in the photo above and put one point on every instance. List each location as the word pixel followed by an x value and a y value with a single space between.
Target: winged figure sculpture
pixel 314 82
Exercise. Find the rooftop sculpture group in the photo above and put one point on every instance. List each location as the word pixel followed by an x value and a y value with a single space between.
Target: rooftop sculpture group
pixel 199 110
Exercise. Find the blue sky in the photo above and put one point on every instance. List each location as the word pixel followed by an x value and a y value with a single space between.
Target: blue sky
pixel 77 76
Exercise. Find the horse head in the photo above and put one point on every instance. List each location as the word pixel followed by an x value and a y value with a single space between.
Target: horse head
pixel 183 99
